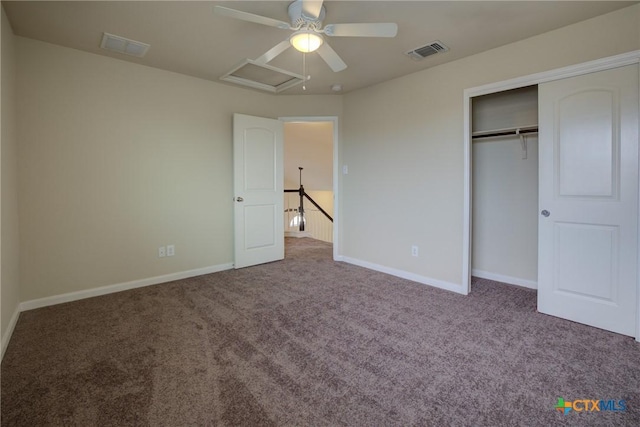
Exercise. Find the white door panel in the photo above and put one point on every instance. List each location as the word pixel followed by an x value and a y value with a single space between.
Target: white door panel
pixel 588 245
pixel 589 270
pixel 258 189
pixel 586 144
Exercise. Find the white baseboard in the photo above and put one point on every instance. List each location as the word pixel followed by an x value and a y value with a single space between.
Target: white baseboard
pixel 297 234
pixel 405 275
pixel 531 284
pixel 109 289
pixel 7 334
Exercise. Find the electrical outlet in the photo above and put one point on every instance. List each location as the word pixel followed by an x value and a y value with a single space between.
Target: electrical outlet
pixel 414 250
pixel 162 252
pixel 345 169
pixel 171 250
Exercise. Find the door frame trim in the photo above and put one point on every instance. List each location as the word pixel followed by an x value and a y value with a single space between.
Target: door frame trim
pixel 602 64
pixel 336 175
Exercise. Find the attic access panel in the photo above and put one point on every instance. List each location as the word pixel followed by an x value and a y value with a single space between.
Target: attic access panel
pixel 262 76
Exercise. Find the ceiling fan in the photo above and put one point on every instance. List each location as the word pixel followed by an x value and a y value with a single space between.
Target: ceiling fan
pixel 306 22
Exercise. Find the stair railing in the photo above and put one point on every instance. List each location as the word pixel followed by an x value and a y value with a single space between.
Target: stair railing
pixel 303 194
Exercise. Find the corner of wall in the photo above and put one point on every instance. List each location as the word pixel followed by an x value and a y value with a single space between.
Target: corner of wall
pixel 8 331
pixel 9 243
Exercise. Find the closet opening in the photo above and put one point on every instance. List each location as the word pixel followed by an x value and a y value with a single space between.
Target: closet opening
pixel 504 184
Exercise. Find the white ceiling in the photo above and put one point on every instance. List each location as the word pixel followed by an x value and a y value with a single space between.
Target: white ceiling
pixel 188 38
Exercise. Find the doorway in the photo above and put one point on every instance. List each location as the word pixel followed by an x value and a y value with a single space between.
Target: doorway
pixel 311 143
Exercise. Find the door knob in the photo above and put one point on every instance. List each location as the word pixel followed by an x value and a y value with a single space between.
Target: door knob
pixel 239 199
pixel 545 213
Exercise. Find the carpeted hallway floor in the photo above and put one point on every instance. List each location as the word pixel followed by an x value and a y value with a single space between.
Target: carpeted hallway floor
pixel 308 341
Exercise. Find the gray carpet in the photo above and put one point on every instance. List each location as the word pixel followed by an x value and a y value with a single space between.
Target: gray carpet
pixel 308 341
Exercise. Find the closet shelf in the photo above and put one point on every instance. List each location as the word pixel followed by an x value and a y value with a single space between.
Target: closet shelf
pixel 522 130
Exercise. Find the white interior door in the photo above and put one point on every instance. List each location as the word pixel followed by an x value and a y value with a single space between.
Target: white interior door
pixel 588 227
pixel 258 170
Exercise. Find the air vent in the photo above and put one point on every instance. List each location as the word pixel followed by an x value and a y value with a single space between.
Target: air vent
pixel 427 50
pixel 262 76
pixel 123 45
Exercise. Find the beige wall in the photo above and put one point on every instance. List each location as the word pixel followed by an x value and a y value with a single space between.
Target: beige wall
pixel 9 280
pixel 118 159
pixel 308 145
pixel 403 143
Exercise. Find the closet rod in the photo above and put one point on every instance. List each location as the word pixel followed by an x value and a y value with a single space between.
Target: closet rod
pixel 505 132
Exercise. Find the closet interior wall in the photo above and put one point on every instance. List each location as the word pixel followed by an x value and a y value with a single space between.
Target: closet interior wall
pixel 505 188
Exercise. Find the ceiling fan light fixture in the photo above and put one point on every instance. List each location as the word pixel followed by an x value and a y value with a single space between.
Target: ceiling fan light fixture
pixel 306 41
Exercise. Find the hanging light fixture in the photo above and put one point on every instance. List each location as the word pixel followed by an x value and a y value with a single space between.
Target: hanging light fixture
pixel 295 221
pixel 306 41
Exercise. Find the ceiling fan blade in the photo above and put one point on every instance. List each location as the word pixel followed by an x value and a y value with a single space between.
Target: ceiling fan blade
pixel 330 56
pixel 250 17
pixel 362 30
pixel 269 55
pixel 312 8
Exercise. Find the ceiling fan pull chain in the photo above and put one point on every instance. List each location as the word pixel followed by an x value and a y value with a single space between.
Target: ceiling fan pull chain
pixel 304 71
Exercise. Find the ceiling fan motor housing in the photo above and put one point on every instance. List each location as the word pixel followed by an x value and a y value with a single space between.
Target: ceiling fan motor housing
pixel 300 20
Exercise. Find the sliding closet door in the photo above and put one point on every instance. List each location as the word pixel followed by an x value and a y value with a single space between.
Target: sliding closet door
pixel 588 224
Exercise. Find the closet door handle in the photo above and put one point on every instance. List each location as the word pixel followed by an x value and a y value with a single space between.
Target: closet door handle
pixel 239 199
pixel 545 213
